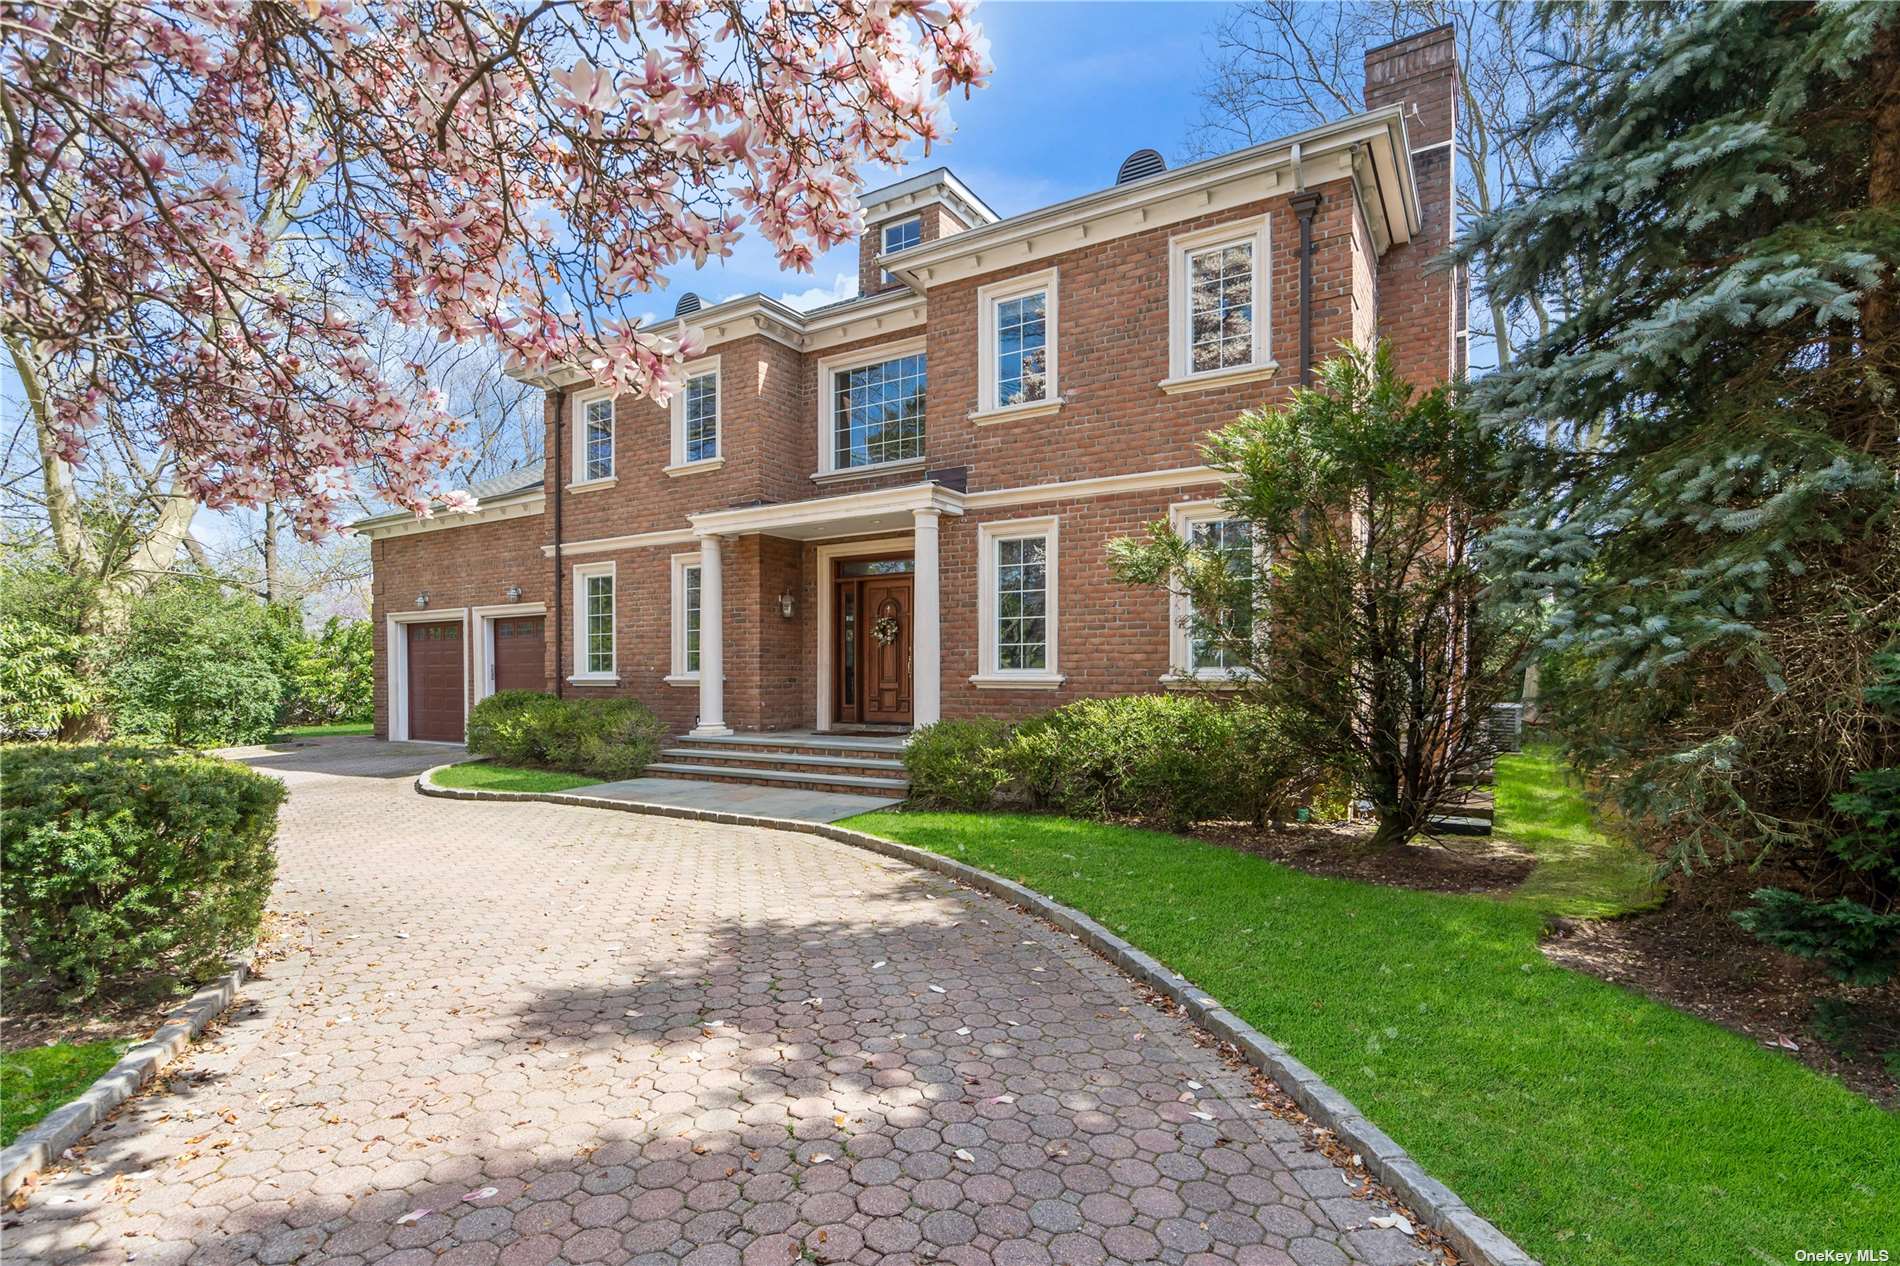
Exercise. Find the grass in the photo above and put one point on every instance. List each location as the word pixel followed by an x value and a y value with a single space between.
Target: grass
pixel 39 1079
pixel 325 731
pixel 480 775
pixel 1581 872
pixel 1592 1125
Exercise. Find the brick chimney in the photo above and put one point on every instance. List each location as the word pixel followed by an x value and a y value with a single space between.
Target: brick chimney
pixel 1422 305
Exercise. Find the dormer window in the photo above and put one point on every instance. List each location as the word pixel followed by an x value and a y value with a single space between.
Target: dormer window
pixel 901 235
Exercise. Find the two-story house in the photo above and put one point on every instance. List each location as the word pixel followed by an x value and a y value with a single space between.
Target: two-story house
pixel 897 507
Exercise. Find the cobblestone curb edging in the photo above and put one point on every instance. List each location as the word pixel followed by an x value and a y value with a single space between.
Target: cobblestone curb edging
pixel 40 1146
pixel 1475 1239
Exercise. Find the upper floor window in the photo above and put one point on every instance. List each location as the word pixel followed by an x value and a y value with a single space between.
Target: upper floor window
pixel 872 411
pixel 696 418
pixel 1217 304
pixel 902 235
pixel 1204 641
pixel 1016 345
pixel 594 445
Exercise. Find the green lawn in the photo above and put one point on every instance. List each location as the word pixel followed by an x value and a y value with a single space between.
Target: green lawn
pixel 1580 872
pixel 38 1079
pixel 1592 1125
pixel 480 775
pixel 325 731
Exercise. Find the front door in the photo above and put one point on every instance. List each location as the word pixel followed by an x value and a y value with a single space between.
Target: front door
pixel 872 619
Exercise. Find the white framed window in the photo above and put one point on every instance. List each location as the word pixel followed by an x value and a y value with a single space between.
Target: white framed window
pixel 1017 601
pixel 1016 347
pixel 900 235
pixel 1191 655
pixel 871 409
pixel 696 419
pixel 1217 305
pixel 593 438
pixel 594 620
pixel 685 619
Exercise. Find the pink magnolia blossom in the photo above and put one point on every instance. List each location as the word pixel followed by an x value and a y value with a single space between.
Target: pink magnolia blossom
pixel 213 202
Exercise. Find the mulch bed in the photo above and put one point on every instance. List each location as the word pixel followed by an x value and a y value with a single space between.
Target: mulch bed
pixel 1461 865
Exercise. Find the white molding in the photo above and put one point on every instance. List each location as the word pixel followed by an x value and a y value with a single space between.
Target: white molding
pixel 694 468
pixel 865 472
pixel 592 485
pixel 903 498
pixel 830 367
pixel 1018 412
pixel 1098 486
pixel 827 635
pixel 484 618
pixel 937 185
pixel 1213 379
pixel 579 573
pixel 988 535
pixel 1256 233
pixel 514 506
pixel 613 544
pixel 676 412
pixel 577 436
pixel 397 676
pixel 677 565
pixel 1046 282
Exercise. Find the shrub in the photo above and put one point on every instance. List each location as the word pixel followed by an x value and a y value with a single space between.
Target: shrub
pixel 608 738
pixel 957 764
pixel 332 675
pixel 42 685
pixel 196 669
pixel 120 861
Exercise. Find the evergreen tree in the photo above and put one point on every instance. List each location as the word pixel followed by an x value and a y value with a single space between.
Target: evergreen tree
pixel 1711 437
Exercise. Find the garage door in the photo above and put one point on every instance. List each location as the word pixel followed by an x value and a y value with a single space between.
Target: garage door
pixel 435 681
pixel 518 661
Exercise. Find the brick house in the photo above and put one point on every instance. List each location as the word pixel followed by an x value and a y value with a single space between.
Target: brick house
pixel 897 508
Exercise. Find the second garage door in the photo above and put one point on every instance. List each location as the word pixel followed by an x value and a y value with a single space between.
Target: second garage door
pixel 518 653
pixel 435 681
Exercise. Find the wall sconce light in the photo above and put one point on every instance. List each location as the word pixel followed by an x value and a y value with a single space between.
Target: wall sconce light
pixel 785 605
pixel 422 600
pixel 514 593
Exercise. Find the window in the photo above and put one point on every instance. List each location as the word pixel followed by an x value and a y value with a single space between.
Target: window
pixel 686 618
pixel 1016 605
pixel 696 418
pixel 594 443
pixel 1207 525
pixel 872 412
pixel 901 235
pixel 1217 306
pixel 1016 346
pixel 594 622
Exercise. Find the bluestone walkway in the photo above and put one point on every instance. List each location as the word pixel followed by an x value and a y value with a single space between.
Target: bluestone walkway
pixel 527 1034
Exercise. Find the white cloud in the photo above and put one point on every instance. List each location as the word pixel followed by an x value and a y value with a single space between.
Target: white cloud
pixel 843 286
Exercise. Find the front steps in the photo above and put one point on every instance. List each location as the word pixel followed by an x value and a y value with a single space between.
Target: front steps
pixel 855 764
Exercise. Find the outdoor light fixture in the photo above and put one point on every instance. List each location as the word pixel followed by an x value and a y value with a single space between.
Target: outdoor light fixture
pixel 422 599
pixel 785 605
pixel 514 593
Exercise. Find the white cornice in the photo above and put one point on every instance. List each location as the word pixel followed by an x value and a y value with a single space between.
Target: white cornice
pixel 514 506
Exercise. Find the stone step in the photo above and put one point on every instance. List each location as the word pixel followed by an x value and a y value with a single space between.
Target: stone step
pixel 1461 826
pixel 856 783
pixel 813 744
pixel 808 762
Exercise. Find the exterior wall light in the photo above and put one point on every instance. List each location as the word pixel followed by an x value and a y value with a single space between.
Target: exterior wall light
pixel 514 593
pixel 785 605
pixel 422 600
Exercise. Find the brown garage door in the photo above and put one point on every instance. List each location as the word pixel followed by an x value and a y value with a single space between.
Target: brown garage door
pixel 435 681
pixel 518 658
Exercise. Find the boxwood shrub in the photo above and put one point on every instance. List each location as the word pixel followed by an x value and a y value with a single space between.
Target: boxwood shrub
pixel 606 738
pixel 957 764
pixel 123 861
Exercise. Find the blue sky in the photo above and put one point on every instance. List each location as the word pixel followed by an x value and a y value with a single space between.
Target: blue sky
pixel 1077 88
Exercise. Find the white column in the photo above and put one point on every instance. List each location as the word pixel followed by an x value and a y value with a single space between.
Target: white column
pixel 926 624
pixel 712 643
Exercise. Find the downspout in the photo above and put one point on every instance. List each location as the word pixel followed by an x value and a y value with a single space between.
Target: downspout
pixel 1305 203
pixel 560 622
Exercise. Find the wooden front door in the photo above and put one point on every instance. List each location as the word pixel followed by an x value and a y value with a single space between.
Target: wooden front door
pixel 519 660
pixel 435 681
pixel 872 619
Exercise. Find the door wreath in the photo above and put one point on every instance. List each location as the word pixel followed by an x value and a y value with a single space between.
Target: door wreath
pixel 886 630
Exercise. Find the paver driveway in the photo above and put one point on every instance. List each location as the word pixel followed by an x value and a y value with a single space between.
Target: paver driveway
pixel 575 1035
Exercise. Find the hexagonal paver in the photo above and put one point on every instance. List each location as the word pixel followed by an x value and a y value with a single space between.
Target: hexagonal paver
pixel 526 1034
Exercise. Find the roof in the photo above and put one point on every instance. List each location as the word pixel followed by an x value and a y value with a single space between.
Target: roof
pixel 509 489
pixel 939 184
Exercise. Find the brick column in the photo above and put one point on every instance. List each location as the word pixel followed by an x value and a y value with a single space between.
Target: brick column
pixel 712 643
pixel 926 631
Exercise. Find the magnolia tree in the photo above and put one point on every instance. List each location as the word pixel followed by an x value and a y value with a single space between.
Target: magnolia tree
pixel 210 203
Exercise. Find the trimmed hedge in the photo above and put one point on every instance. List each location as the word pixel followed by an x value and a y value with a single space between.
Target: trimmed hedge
pixel 1176 759
pixel 606 738
pixel 121 861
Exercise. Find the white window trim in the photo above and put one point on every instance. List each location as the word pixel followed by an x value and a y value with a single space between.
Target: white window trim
pixel 1182 517
pixel 680 675
pixel 988 675
pixel 581 574
pixel 828 370
pixel 988 409
pixel 699 369
pixel 884 240
pixel 578 433
pixel 1260 364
